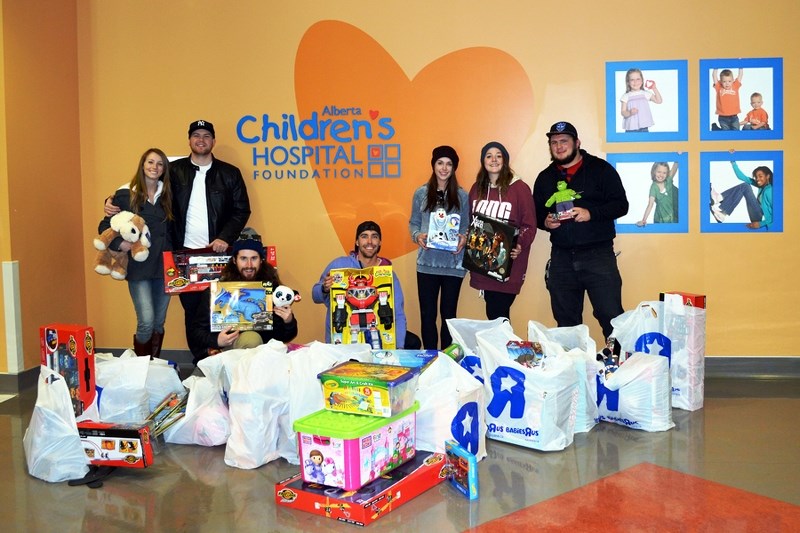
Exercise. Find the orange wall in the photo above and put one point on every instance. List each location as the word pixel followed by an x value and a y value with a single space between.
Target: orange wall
pixel 143 70
pixel 42 147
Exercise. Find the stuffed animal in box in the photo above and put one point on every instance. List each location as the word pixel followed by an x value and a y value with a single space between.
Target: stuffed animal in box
pixel 131 228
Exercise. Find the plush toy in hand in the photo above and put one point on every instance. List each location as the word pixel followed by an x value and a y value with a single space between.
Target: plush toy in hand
pixel 131 228
pixel 283 295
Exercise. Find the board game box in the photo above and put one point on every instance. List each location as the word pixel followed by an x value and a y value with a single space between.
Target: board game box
pixel 488 249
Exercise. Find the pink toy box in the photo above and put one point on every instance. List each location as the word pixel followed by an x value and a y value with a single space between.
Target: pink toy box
pixel 348 451
pixel 369 388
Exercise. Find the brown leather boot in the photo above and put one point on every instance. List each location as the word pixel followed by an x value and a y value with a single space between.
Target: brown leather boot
pixel 143 349
pixel 157 340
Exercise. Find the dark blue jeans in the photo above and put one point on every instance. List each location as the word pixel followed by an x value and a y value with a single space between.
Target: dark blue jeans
pixel 572 273
pixel 731 198
pixel 429 286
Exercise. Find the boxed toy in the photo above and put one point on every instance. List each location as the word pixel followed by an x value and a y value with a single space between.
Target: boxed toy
pixel 462 469
pixel 362 307
pixel 376 499
pixel 108 444
pixel 192 270
pixel 443 231
pixel 368 388
pixel 412 358
pixel 69 350
pixel 690 299
pixel 241 305
pixel 489 244
pixel 349 451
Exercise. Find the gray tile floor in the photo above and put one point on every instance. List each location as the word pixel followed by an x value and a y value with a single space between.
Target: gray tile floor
pixel 747 436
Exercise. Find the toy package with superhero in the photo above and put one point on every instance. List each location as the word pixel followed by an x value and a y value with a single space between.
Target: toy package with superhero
pixel 362 307
pixel 241 305
pixel 489 244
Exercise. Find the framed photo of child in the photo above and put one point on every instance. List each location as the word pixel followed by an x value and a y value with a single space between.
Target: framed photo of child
pixel 741 99
pixel 656 184
pixel 646 101
pixel 741 192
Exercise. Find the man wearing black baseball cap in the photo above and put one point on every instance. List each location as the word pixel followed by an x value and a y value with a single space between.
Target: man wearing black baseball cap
pixel 365 254
pixel 582 259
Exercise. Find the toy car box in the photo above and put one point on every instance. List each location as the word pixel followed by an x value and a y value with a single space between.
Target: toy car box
pixel 127 445
pixel 462 471
pixel 241 305
pixel 192 270
pixel 369 388
pixel 690 299
pixel 370 502
pixel 362 307
pixel 411 358
pixel 349 451
pixel 488 248
pixel 68 349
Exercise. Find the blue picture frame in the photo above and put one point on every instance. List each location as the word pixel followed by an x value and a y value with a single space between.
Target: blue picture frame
pixel 635 172
pixel 717 172
pixel 762 75
pixel 671 117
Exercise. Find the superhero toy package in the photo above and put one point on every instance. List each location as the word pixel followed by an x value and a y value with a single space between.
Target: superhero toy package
pixel 241 305
pixel 362 307
pixel 69 350
pixel 443 230
pixel 194 270
pixel 488 249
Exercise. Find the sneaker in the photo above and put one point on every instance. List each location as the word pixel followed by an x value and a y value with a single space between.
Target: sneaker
pixel 716 198
pixel 719 216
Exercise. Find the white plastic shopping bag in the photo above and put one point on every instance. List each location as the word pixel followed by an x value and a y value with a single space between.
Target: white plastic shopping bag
pixel 531 407
pixel 637 394
pixel 219 368
pixel 207 420
pixel 258 398
pixel 122 388
pixel 675 331
pixel 53 448
pixel 464 331
pixel 451 406
pixel 162 380
pixel 576 345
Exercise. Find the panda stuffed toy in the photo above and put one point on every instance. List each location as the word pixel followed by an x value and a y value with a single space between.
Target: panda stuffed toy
pixel 283 295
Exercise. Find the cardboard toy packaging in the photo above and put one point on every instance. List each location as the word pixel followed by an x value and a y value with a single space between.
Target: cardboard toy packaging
pixel 372 501
pixel 362 307
pixel 126 445
pixel 349 451
pixel 193 270
pixel 488 249
pixel 241 305
pixel 369 388
pixel 443 231
pixel 462 469
pixel 69 350
pixel 690 299
pixel 421 359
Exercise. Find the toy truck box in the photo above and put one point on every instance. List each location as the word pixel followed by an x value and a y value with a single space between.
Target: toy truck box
pixel 68 349
pixel 126 445
pixel 193 270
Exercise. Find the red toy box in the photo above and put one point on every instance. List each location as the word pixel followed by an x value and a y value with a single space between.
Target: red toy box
pixel 370 502
pixel 690 299
pixel 193 270
pixel 69 350
pixel 106 444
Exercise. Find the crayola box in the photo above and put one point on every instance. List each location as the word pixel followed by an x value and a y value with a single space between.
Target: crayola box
pixel 370 502
pixel 369 388
pixel 349 451
pixel 241 305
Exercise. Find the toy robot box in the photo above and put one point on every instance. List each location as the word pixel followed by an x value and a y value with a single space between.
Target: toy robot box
pixel 443 231
pixel 69 350
pixel 488 249
pixel 370 502
pixel 193 270
pixel 362 307
pixel 349 451
pixel 369 389
pixel 241 305
pixel 126 445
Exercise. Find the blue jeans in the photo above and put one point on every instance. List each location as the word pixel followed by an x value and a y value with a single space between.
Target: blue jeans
pixel 734 195
pixel 571 273
pixel 150 303
pixel 729 122
pixel 428 289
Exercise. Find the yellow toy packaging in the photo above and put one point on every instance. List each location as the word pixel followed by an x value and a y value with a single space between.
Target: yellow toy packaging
pixel 362 307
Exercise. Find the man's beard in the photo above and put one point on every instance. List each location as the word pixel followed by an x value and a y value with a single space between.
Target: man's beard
pixel 569 158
